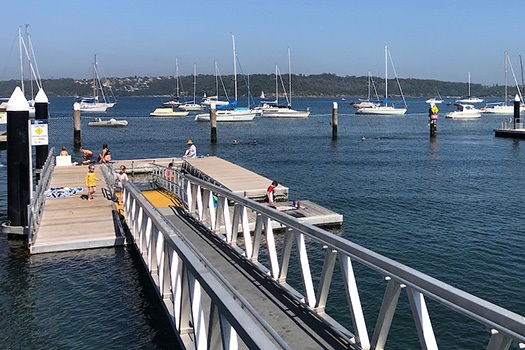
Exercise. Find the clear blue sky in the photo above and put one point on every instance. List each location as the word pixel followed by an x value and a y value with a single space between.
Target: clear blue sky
pixel 441 40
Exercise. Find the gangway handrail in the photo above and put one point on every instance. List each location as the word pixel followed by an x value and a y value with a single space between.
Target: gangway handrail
pixel 180 277
pixel 505 326
pixel 36 206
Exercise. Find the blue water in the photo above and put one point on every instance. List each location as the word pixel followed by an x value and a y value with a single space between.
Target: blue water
pixel 451 207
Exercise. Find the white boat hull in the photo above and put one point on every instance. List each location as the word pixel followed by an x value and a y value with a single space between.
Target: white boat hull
pixel 112 123
pixel 191 107
pixel 381 110
pixel 168 112
pixel 93 107
pixel 463 115
pixel 502 110
pixel 284 113
pixel 228 116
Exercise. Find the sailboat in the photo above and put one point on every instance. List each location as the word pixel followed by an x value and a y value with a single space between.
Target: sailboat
pixel 384 108
pixel 504 107
pixel 35 82
pixel 276 111
pixel 96 103
pixel 192 106
pixel 230 112
pixel 367 102
pixel 209 100
pixel 469 98
pixel 174 101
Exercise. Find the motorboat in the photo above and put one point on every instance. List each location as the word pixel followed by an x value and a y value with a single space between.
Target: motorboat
pixel 464 111
pixel 168 112
pixel 111 123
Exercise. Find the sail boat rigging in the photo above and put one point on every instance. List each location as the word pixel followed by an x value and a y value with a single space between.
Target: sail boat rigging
pixel 192 106
pixel 384 108
pixel 230 112
pixel 276 111
pixel 469 98
pixel 503 107
pixel 97 103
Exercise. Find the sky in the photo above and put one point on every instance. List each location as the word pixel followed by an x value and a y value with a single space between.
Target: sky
pixel 442 40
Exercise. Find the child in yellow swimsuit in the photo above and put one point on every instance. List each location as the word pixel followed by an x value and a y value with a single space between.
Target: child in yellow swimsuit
pixel 91 181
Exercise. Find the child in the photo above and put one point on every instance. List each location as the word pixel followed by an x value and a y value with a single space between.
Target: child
pixel 91 181
pixel 121 178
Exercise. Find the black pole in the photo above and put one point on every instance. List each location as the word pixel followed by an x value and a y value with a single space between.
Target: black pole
pixel 433 116
pixel 517 124
pixel 18 185
pixel 41 113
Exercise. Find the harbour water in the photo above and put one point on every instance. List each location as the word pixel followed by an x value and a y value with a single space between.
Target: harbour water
pixel 451 207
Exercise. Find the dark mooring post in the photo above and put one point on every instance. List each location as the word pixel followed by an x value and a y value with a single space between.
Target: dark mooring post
pixel 433 117
pixel 18 171
pixel 213 123
pixel 517 120
pixel 77 141
pixel 334 121
pixel 41 113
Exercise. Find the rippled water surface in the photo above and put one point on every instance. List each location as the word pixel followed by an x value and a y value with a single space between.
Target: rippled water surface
pixel 451 207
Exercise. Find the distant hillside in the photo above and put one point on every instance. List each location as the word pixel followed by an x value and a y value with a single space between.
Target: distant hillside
pixel 321 85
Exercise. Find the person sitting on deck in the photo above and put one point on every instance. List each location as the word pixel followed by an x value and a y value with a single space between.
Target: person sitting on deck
pixel 191 152
pixel 105 156
pixel 64 151
pixel 87 155
pixel 269 197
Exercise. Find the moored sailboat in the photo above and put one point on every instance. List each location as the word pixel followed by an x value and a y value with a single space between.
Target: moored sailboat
pixel 384 108
pixel 99 101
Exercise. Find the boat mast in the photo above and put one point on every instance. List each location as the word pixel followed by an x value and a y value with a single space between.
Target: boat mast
pixel 234 66
pixel 217 80
pixel 177 75
pixel 469 84
pixel 290 79
pixel 194 81
pixel 505 58
pixel 276 85
pixel 386 75
pixel 95 78
pixel 20 43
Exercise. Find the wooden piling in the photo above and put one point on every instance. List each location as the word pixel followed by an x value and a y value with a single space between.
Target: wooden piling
pixel 334 121
pixel 77 140
pixel 213 123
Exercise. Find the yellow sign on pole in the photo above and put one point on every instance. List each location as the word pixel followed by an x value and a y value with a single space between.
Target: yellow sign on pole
pixel 39 133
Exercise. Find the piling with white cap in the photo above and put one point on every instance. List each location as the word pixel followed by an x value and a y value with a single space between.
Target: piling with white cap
pixel 517 120
pixel 18 171
pixel 41 113
pixel 334 121
pixel 213 123
pixel 77 140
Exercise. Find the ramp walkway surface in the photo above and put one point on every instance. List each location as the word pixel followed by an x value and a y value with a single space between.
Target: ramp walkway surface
pixel 72 222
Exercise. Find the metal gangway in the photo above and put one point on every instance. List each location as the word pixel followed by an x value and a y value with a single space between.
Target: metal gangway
pixel 182 277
